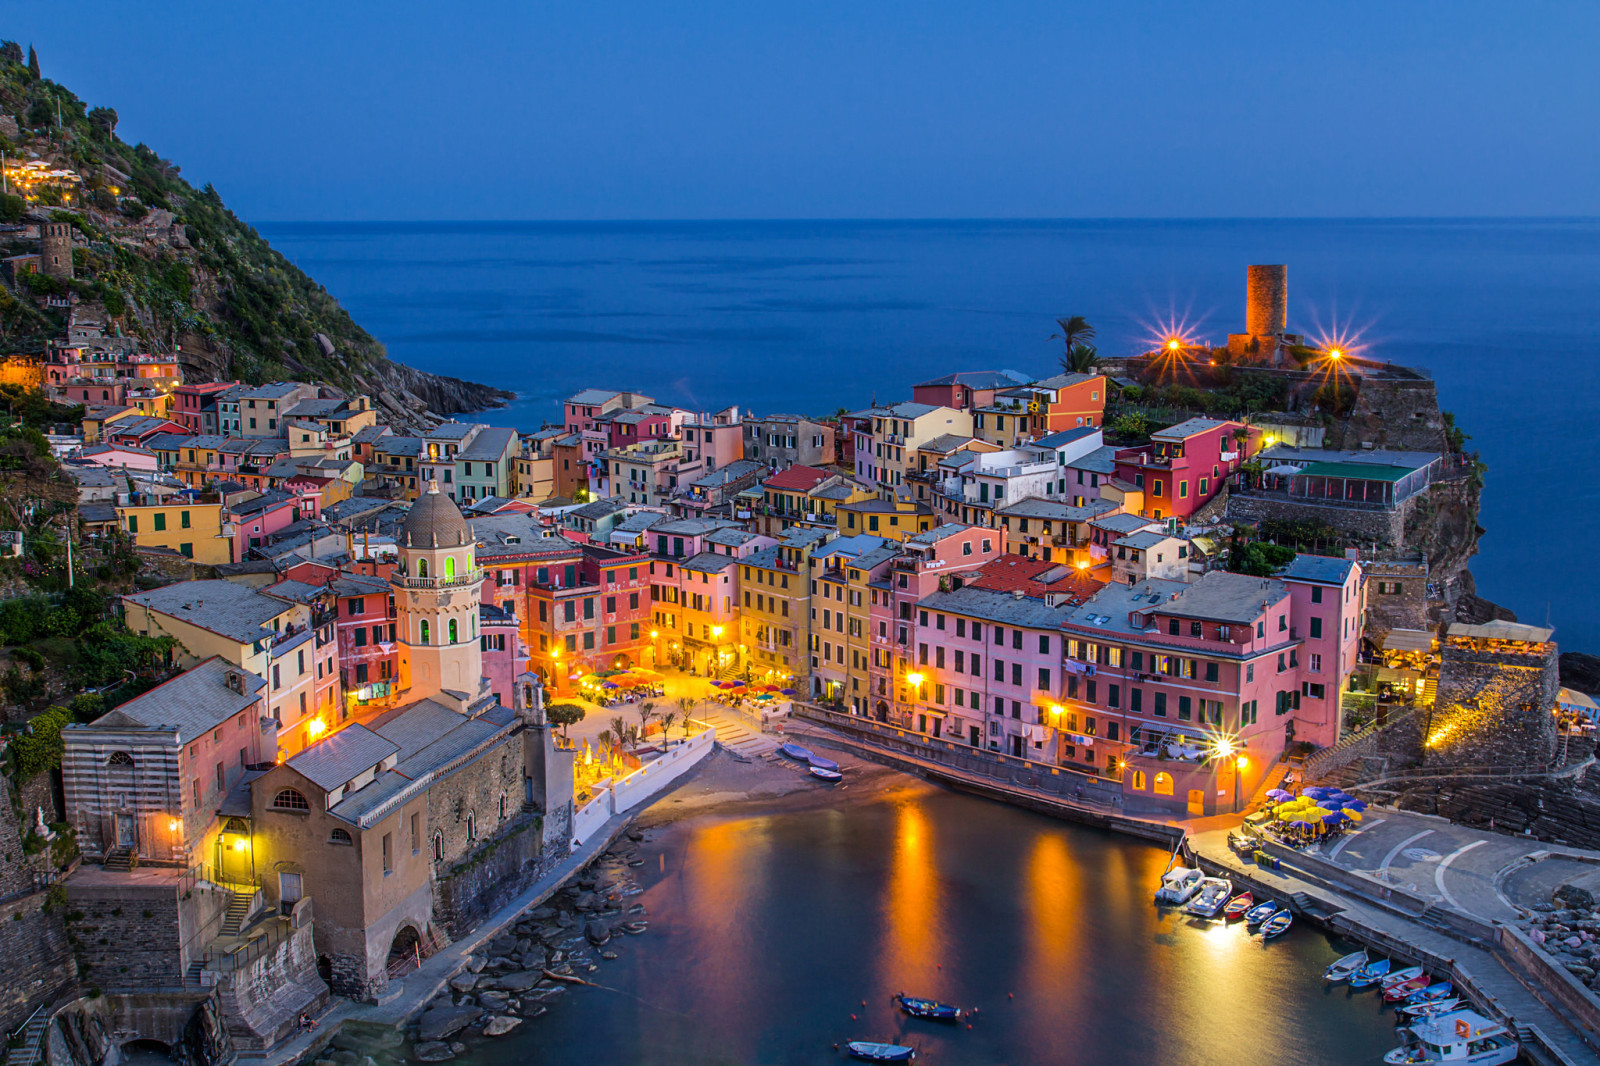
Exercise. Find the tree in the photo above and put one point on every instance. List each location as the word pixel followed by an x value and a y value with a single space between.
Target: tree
pixel 39 749
pixel 564 715
pixel 1075 331
pixel 666 725
pixel 11 51
pixel 1080 359
pixel 33 63
pixel 103 119
pixel 647 711
pixel 619 730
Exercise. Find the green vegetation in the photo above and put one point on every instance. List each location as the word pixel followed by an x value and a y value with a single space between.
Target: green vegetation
pixel 1078 355
pixel 218 284
pixel 564 715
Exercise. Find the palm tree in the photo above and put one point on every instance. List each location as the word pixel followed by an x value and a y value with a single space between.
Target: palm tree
pixel 1075 331
pixel 647 711
pixel 1080 359
pixel 666 726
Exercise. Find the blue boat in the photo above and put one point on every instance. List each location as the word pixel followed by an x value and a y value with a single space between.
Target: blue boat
pixel 869 1051
pixel 929 1008
pixel 826 775
pixel 1277 925
pixel 1260 912
pixel 795 751
pixel 1370 974
pixel 1437 990
pixel 819 761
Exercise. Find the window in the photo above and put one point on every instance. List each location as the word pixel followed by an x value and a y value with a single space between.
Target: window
pixel 1316 593
pixel 422 632
pixel 1316 662
pixel 438 847
pixel 1138 780
pixel 1211 672
pixel 472 825
pixel 1163 784
pixel 183 522
pixel 1161 705
pixel 290 800
pixel 388 853
pixel 161 521
pixel 340 836
pixel 453 635
pixel 1316 627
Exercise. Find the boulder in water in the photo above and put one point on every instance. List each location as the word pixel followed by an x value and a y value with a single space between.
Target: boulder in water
pixel 500 1025
pixel 434 1051
pixel 440 1022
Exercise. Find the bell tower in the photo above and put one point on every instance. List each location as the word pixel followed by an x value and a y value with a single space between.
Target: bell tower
pixel 438 587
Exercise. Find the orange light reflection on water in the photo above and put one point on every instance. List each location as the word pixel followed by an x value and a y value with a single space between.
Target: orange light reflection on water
pixel 915 941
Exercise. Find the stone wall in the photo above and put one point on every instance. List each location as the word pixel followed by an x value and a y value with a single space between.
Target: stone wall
pixel 1383 528
pixel 128 935
pixel 16 873
pixel 1494 705
pixel 261 999
pixel 494 875
pixel 35 957
pixel 1397 591
pixel 1400 413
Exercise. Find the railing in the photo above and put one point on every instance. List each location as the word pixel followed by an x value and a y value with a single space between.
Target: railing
pixel 1341 754
pixel 438 582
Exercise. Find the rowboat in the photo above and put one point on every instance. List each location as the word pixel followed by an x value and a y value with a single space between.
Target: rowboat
pixel 1436 991
pixel 1212 897
pixel 1277 925
pixel 795 751
pixel 826 764
pixel 1370 973
pixel 1178 884
pixel 1343 969
pixel 1399 977
pixel 929 1008
pixel 1461 1036
pixel 822 773
pixel 1404 990
pixel 874 1052
pixel 1430 1006
pixel 1237 906
pixel 1260 912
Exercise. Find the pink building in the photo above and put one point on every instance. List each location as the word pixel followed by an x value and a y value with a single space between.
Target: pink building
pixel 1184 465
pixel 504 656
pixel 255 520
pixel 119 455
pixel 1329 603
pixel 710 442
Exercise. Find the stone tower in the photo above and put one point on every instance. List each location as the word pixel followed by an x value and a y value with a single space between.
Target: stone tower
pixel 1266 310
pixel 55 253
pixel 437 590
pixel 1497 691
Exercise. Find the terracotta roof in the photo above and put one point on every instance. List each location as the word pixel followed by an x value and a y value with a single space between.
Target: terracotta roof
pixel 797 479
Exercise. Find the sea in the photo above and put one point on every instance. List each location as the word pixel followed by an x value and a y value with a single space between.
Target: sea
pixel 813 316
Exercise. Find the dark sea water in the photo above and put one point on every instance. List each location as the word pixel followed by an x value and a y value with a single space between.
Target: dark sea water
pixel 813 316
pixel 768 932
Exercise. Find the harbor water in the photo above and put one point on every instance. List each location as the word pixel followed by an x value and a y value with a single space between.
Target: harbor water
pixel 775 935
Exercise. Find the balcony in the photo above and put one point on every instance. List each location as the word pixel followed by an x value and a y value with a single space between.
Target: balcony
pixel 437 582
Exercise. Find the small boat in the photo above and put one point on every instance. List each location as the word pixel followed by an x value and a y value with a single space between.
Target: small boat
pixel 1430 1006
pixel 1277 925
pixel 795 751
pixel 1178 884
pixel 1212 897
pixel 870 1051
pixel 1463 1036
pixel 929 1008
pixel 1371 973
pixel 1399 977
pixel 1237 906
pixel 822 773
pixel 1260 912
pixel 1343 969
pixel 1436 991
pixel 1399 993
pixel 825 764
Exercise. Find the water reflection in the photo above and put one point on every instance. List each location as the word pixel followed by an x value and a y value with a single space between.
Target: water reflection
pixel 913 920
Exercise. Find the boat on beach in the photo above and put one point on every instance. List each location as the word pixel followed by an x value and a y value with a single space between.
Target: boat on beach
pixel 1343 969
pixel 1237 906
pixel 1460 1036
pixel 871 1051
pixel 1178 884
pixel 1277 925
pixel 1371 973
pixel 1211 898
pixel 822 773
pixel 818 762
pixel 918 1007
pixel 1260 912
pixel 795 751
pixel 1437 990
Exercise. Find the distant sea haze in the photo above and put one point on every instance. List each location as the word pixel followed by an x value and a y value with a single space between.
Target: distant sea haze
pixel 808 317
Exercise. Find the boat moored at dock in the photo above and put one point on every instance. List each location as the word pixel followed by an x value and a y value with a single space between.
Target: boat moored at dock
pixel 1462 1036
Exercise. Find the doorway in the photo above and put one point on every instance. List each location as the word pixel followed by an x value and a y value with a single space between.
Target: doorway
pixel 124 830
pixel 1197 801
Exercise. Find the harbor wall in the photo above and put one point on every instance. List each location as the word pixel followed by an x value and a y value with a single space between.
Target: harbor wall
pixel 643 785
pixel 1549 980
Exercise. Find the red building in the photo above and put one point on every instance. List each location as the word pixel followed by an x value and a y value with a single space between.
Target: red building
pixel 1184 465
pixel 194 405
pixel 965 390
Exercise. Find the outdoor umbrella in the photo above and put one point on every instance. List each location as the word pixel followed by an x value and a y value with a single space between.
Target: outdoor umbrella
pixel 1301 825
pixel 1315 792
pixel 1280 794
pixel 1354 805
pixel 763 695
pixel 788 692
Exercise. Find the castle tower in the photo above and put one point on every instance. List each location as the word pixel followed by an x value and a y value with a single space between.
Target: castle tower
pixel 1497 689
pixel 55 252
pixel 437 591
pixel 1266 311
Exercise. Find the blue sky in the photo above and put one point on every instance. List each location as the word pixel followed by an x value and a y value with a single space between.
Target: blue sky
pixel 929 109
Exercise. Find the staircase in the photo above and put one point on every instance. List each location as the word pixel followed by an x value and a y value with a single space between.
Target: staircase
pixel 28 1052
pixel 240 904
pixel 739 737
pixel 191 976
pixel 1430 690
pixel 119 859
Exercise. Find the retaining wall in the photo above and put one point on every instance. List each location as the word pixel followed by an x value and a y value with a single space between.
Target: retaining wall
pixel 1549 980
pixel 643 785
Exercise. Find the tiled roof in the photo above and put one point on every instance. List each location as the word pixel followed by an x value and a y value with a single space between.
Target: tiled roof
pixel 1000 607
pixel 491 443
pixel 1320 569
pixel 1190 428
pixel 1221 596
pixel 1066 436
pixel 223 607
pixel 979 379
pixel 1123 523
pixel 593 397
pixel 797 479
pixel 346 754
pixel 193 702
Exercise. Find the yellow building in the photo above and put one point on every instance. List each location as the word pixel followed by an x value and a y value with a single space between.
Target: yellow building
pixel 192 529
pixel 533 477
pixel 896 518
pixel 772 617
pixel 95 420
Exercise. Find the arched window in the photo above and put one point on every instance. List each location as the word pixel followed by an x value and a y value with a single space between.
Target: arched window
pixel 422 631
pixel 1138 780
pixel 438 847
pixel 339 836
pixel 502 806
pixel 120 758
pixel 449 567
pixel 422 568
pixel 1163 784
pixel 452 630
pixel 472 826
pixel 290 800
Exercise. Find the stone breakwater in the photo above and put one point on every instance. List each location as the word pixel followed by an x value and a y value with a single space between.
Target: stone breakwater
pixel 518 975
pixel 1569 932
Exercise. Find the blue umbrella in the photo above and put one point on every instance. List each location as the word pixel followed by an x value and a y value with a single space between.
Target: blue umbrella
pixel 1301 825
pixel 1354 805
pixel 1334 819
pixel 1279 794
pixel 1315 793
pixel 788 692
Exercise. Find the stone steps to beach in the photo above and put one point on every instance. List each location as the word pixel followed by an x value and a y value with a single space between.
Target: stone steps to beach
pixel 738 736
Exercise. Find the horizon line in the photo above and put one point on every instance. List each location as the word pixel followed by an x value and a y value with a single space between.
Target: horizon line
pixel 949 220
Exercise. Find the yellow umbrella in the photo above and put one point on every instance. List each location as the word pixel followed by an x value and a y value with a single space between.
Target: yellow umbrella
pixel 1354 816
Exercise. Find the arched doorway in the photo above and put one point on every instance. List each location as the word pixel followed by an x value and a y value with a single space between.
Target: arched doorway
pixel 144 1052
pixel 883 711
pixel 405 951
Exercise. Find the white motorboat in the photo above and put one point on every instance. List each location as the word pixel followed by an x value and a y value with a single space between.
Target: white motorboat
pixel 1461 1036
pixel 1211 898
pixel 1178 884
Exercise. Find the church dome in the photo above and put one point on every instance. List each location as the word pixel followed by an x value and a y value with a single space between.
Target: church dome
pixel 434 521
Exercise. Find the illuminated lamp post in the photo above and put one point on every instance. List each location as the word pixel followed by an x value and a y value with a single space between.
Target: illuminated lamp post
pixel 914 679
pixel 1226 749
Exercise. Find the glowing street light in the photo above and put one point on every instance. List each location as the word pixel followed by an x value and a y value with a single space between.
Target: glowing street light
pixel 914 680
pixel 716 632
pixel 1335 354
pixel 1174 344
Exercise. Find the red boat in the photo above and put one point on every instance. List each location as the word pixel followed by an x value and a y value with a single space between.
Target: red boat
pixel 1396 993
pixel 1237 906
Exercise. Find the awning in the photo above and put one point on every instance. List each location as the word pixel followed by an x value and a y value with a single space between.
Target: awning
pixel 1283 469
pixel 1408 640
pixel 1577 703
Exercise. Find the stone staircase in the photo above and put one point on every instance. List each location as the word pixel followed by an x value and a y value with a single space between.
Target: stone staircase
pixel 240 906
pixel 28 1053
pixel 740 737
pixel 119 859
